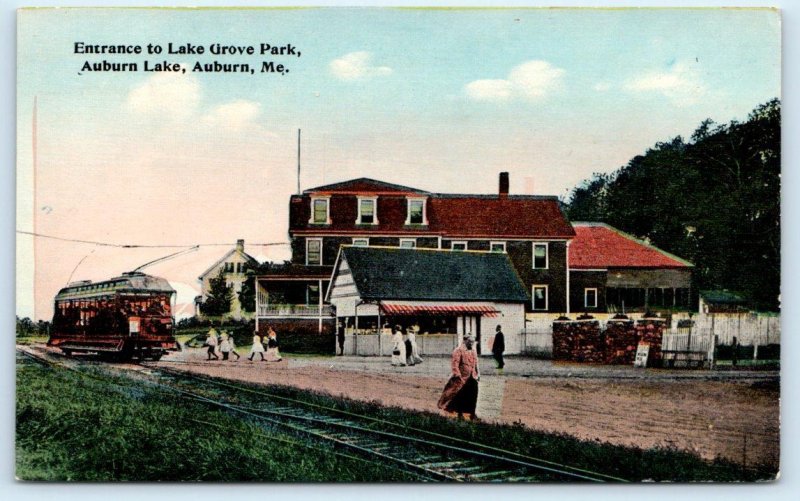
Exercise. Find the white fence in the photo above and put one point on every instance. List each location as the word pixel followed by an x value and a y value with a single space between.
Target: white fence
pixel 749 329
pixel 373 344
pixel 538 342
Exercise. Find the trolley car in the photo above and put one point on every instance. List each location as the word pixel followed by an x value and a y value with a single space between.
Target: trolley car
pixel 124 317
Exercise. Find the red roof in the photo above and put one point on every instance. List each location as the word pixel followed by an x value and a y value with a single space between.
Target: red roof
pixel 451 216
pixel 599 246
pixel 511 216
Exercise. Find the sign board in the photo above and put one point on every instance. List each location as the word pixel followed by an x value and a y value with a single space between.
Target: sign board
pixel 641 355
pixel 133 326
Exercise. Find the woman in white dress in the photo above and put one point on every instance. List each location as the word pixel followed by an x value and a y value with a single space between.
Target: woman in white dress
pixel 224 345
pixel 257 348
pixel 413 356
pixel 272 346
pixel 398 347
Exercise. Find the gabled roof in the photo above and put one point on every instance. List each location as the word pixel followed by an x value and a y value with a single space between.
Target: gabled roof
pixel 250 259
pixel 363 185
pixel 600 246
pixel 431 275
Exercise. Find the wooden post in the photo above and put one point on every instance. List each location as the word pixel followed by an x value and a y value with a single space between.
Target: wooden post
pixel 380 331
pixel 319 313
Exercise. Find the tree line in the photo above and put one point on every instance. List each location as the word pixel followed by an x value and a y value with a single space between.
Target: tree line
pixel 713 199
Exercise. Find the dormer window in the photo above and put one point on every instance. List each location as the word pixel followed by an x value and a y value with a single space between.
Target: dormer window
pixel 320 210
pixel 367 211
pixel 416 211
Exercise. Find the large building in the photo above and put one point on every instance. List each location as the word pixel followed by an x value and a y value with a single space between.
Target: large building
pixel 438 291
pixel 531 230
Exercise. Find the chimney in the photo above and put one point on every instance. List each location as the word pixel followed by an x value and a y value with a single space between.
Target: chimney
pixel 503 184
pixel 240 245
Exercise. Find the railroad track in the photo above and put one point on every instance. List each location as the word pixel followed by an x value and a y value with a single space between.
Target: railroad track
pixel 427 455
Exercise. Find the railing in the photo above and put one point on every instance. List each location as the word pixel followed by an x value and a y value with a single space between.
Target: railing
pixel 294 310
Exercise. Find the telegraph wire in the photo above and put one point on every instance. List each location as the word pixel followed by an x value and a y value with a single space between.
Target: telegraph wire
pixel 143 246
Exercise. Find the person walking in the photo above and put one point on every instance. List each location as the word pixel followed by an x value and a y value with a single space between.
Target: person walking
pixel 498 347
pixel 272 346
pixel 398 347
pixel 460 394
pixel 232 345
pixel 224 345
pixel 340 338
pixel 257 347
pixel 412 351
pixel 211 342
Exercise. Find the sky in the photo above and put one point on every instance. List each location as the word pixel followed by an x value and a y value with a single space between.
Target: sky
pixel 438 99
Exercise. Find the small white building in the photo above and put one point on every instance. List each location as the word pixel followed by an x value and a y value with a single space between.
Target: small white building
pixel 440 292
pixel 234 266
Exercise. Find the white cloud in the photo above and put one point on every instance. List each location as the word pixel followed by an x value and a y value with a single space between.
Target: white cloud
pixel 237 115
pixel 531 81
pixel 681 84
pixel 489 90
pixel 357 66
pixel 176 99
pixel 172 95
pixel 602 86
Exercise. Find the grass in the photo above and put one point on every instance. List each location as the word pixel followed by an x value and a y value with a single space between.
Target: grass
pixel 74 428
pixel 71 427
pixel 32 340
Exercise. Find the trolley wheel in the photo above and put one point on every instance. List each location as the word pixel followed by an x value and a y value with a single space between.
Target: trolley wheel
pixel 67 352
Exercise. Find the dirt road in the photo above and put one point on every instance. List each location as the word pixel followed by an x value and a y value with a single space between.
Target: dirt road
pixel 735 418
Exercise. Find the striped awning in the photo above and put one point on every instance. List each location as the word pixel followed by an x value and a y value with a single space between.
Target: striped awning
pixel 439 310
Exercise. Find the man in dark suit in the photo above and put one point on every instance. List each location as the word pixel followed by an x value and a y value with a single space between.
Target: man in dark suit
pixel 498 347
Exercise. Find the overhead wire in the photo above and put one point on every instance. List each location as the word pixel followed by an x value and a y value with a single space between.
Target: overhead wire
pixel 143 246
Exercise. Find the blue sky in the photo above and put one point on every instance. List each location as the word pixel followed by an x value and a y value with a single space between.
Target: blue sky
pixel 442 100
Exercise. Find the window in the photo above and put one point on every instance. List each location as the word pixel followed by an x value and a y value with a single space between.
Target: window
pixel 367 211
pixel 539 297
pixel 540 256
pixel 590 298
pixel 416 211
pixel 361 242
pixel 458 246
pixel 319 211
pixel 314 251
pixel 497 246
pixel 408 243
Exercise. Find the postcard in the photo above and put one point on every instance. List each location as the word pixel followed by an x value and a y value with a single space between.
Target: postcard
pixel 358 245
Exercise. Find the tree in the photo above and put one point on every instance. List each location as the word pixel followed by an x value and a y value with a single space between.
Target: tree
pixel 219 297
pixel 25 327
pixel 714 200
pixel 247 296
